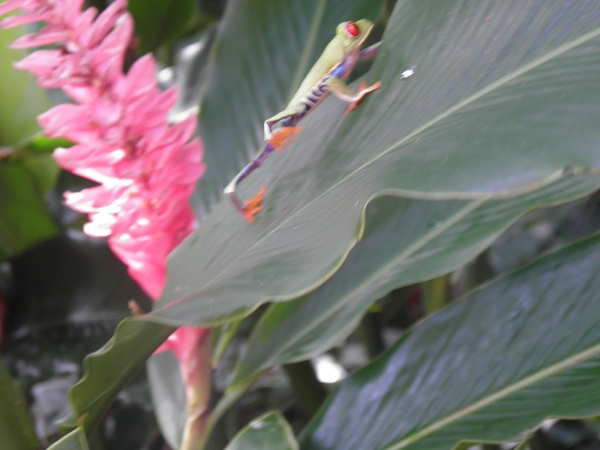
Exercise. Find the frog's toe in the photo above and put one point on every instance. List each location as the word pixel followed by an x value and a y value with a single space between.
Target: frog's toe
pixel 363 90
pixel 284 137
pixel 253 206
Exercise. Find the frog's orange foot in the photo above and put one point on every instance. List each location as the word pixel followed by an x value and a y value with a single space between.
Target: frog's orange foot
pixel 284 137
pixel 252 207
pixel 363 90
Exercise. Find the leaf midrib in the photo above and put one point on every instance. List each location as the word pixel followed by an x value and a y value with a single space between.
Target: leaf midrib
pixel 477 95
pixel 405 254
pixel 499 395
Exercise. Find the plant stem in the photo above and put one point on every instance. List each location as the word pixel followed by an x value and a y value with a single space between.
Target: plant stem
pixel 197 373
pixel 222 407
pixel 310 391
pixel 436 293
pixel 371 331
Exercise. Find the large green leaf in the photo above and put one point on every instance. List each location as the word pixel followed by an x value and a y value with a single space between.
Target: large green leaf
pixel 405 241
pixel 513 352
pixel 16 428
pixel 318 190
pixel 159 21
pixel 168 396
pixel 24 217
pixel 109 369
pixel 22 100
pixel 267 432
pixel 75 440
pixel 502 99
pixel 263 51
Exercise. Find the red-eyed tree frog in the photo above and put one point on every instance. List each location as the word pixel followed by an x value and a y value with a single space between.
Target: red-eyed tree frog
pixel 333 66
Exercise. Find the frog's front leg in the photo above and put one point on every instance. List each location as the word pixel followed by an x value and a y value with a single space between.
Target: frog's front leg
pixel 369 51
pixel 289 117
pixel 342 91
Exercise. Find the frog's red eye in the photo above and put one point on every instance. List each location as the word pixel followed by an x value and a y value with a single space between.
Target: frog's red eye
pixel 352 29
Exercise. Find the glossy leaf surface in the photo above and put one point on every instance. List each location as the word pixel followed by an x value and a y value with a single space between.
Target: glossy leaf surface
pixel 168 396
pixel 268 432
pixel 264 49
pixel 515 351
pixel 109 369
pixel 75 440
pixel 318 190
pixel 405 241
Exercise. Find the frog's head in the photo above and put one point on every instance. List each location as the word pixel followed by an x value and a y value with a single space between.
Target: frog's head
pixel 354 33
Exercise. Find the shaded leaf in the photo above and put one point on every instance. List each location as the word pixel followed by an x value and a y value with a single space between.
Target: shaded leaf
pixel 318 190
pixel 22 100
pixel 168 395
pixel 269 432
pixel 191 64
pixel 66 298
pixel 515 351
pixel 16 429
pixel 24 217
pixel 264 49
pixel 69 280
pixel 109 369
pixel 405 241
pixel 75 440
pixel 159 22
pixel 503 99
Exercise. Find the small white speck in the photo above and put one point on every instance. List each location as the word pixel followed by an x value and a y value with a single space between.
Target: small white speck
pixel 407 73
pixel 258 425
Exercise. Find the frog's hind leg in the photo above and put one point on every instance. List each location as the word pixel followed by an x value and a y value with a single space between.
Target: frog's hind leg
pixel 251 207
pixel 284 137
pixel 343 92
pixel 254 206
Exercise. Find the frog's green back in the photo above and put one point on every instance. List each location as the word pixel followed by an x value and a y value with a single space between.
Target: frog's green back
pixel 334 53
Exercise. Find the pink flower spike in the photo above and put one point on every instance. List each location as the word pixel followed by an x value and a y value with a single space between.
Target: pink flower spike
pixel 103 24
pixel 107 58
pixel 40 62
pixel 147 169
pixel 46 36
pixel 11 5
pixel 66 120
pixel 68 10
pixel 15 21
pixel 183 342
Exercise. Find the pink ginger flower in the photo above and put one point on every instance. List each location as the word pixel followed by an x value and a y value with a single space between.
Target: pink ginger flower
pixel 146 168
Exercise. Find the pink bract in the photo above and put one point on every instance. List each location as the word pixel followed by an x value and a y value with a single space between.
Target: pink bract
pixel 146 168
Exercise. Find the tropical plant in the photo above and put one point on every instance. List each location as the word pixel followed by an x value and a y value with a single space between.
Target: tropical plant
pixel 446 230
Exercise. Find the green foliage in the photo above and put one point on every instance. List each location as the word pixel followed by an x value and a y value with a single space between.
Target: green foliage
pixel 318 190
pixel 436 238
pixel 267 431
pixel 263 51
pixel 159 22
pixel 109 369
pixel 75 440
pixel 499 119
pixel 448 379
pixel 22 99
pixel 16 429
pixel 24 217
